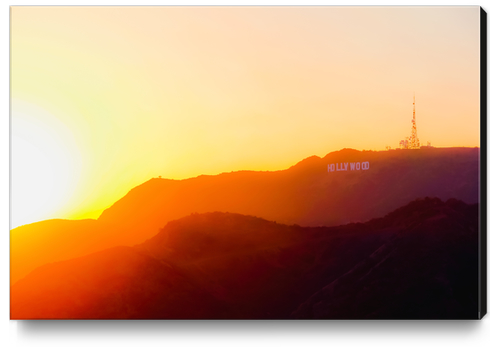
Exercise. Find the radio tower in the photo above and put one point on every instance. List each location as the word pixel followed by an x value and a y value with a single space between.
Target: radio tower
pixel 413 142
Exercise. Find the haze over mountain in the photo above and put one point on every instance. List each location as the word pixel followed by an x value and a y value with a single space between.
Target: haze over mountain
pixel 307 194
pixel 420 261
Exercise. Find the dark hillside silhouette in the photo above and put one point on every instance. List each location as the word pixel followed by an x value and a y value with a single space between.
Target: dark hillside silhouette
pixel 428 270
pixel 419 261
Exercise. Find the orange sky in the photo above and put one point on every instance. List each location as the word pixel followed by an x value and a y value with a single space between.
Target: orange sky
pixel 105 98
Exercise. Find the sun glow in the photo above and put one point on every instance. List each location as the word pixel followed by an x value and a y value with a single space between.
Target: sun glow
pixel 46 165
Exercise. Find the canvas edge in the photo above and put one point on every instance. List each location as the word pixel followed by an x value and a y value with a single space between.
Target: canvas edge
pixel 482 244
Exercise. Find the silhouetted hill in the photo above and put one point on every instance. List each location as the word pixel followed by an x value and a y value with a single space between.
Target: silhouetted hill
pixel 428 270
pixel 420 261
pixel 306 194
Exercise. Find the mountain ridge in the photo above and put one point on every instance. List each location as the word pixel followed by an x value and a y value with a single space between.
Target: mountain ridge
pixel 306 194
pixel 286 186
pixel 221 265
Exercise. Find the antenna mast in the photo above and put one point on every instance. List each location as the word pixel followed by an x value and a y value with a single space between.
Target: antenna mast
pixel 414 142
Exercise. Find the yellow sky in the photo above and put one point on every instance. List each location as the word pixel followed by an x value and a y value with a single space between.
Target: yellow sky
pixel 105 98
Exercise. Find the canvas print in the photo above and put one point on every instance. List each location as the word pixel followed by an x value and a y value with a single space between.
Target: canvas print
pixel 247 162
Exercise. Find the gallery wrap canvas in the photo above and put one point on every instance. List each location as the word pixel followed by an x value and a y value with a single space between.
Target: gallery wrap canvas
pixel 247 162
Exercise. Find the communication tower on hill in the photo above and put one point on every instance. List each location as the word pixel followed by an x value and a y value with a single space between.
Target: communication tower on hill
pixel 411 142
pixel 414 140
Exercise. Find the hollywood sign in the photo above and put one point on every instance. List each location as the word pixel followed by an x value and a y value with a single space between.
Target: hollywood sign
pixel 348 166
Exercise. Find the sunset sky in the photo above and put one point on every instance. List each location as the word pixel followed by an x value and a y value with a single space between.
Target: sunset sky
pixel 105 98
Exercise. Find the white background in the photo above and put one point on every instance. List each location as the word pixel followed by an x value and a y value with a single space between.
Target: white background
pixel 208 333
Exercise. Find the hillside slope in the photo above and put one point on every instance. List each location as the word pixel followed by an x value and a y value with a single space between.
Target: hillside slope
pixel 420 261
pixel 307 194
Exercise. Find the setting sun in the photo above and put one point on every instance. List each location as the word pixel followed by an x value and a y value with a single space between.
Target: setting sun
pixel 46 165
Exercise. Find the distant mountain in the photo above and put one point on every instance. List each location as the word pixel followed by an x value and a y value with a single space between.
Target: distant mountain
pixel 419 261
pixel 307 194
